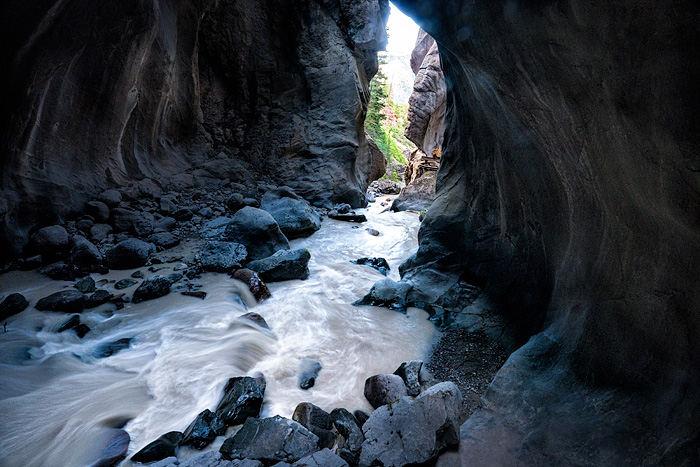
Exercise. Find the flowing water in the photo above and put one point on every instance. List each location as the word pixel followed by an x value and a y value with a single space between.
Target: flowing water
pixel 60 404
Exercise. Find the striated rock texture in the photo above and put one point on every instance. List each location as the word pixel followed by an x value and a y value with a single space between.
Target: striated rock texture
pixel 569 189
pixel 96 94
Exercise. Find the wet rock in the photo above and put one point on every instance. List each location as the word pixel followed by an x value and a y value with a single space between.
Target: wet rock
pixel 342 208
pixel 269 440
pixel 70 323
pixel 257 231
pixel 203 430
pixel 222 256
pixel 125 283
pixel 373 232
pixel 427 424
pixel 323 458
pixel 361 417
pixel 110 348
pixel 85 285
pixel 205 212
pixel 69 301
pixel 128 254
pixel 151 288
pixel 183 214
pixel 256 285
pixel 388 293
pixel 63 272
pixel 410 374
pixel 196 294
pixel 205 459
pixel 115 450
pixel 346 425
pixel 283 265
pixel 380 264
pixel 235 202
pixel 122 219
pixel 294 215
pixel 165 446
pixel 384 389
pixel 350 217
pixel 12 304
pixel 111 198
pixel 81 329
pixel 100 232
pixel 49 241
pixel 98 210
pixel 257 319
pixel 84 253
pixel 317 421
pixel 243 397
pixel 98 298
pixel 308 372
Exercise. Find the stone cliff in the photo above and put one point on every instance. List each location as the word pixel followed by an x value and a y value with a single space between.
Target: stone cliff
pixel 569 191
pixel 97 94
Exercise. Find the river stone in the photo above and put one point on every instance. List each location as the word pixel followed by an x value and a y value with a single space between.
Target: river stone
pixel 70 323
pixel 308 372
pixel 412 431
pixel 317 421
pixel 50 240
pixel 166 224
pixel 410 374
pixel 323 458
pixel 294 215
pixel 243 397
pixel 85 285
pixel 69 301
pixel 122 219
pixel 183 214
pixel 361 417
pixel 110 348
pixel 81 329
pixel 111 198
pixel 349 217
pixel 164 239
pixel 83 253
pixel 63 272
pixel 98 210
pixel 153 287
pixel 203 430
pixel 12 304
pixel 166 206
pixel 128 254
pixel 384 389
pixel 269 440
pixel 256 285
pixel 98 298
pixel 257 231
pixel 143 224
pixel 346 425
pixel 283 265
pixel 388 293
pixel 222 256
pixel 115 450
pixel 380 264
pixel 165 446
pixel 100 232
pixel 125 283
pixel 256 318
pixel 235 202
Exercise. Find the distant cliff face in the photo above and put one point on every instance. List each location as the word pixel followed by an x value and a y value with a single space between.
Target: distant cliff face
pixel 569 189
pixel 96 94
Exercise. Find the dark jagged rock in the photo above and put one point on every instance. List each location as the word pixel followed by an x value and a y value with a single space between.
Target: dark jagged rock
pixel 349 217
pixel 203 430
pixel 283 265
pixel 81 330
pixel 361 417
pixel 49 241
pixel 115 450
pixel 294 215
pixel 347 426
pixel 98 298
pixel 164 446
pixel 427 425
pixel 257 231
pixel 151 288
pixel 196 294
pixel 12 304
pixel 125 283
pixel 317 421
pixel 70 323
pixel 174 277
pixel 85 285
pixel 410 374
pixel 388 293
pixel 222 256
pixel 269 440
pixel 110 348
pixel 379 264
pixel 243 397
pixel 83 253
pixel 69 301
pixel 308 372
pixel 384 389
pixel 129 253
pixel 257 319
pixel 256 285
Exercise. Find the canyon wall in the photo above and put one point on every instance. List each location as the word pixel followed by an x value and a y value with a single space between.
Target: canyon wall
pixel 569 190
pixel 96 94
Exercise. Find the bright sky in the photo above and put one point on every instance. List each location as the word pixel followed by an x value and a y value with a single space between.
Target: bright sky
pixel 402 33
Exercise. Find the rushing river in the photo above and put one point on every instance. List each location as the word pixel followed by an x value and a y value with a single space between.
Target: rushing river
pixel 59 404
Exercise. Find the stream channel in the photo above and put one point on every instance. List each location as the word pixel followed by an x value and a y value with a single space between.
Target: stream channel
pixel 60 404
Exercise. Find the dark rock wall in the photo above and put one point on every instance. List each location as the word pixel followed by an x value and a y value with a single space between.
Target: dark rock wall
pixel 96 94
pixel 569 188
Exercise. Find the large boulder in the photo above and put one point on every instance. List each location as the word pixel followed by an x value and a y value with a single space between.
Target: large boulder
pixel 410 374
pixel 12 304
pixel 283 266
pixel 270 440
pixel 203 430
pixel 293 214
pixel 68 301
pixel 114 451
pixel 388 293
pixel 349 429
pixel 243 397
pixel 222 256
pixel 316 420
pixel 255 284
pixel 49 241
pixel 384 389
pixel 257 231
pixel 413 431
pixel 165 446
pixel 128 254
pixel 84 253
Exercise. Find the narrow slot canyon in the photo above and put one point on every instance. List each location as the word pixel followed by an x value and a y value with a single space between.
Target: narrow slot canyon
pixel 349 233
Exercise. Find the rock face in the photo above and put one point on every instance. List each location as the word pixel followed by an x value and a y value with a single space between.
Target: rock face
pixel 568 189
pixel 166 86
